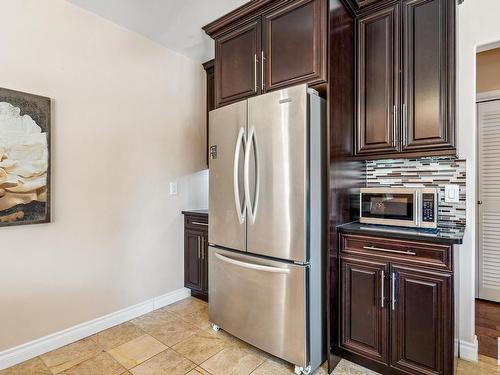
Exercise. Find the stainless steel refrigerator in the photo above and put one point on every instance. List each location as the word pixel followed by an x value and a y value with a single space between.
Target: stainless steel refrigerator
pixel 266 227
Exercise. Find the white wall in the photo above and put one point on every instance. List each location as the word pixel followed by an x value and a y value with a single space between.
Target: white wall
pixel 128 118
pixel 477 26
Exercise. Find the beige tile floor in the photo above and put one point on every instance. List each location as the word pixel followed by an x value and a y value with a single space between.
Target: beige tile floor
pixel 177 340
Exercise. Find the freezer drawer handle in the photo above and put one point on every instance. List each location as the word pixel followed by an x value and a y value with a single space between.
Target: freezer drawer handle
pixel 251 265
pixel 236 186
pixel 252 142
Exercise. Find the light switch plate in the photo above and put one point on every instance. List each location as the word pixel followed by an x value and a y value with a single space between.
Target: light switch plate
pixel 451 193
pixel 173 188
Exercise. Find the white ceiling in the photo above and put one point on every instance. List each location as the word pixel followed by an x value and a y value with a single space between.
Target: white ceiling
pixel 176 24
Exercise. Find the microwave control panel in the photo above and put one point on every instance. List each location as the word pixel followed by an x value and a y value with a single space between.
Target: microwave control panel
pixel 428 207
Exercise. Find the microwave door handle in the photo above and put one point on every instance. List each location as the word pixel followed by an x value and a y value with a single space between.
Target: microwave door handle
pixel 417 208
pixel 360 205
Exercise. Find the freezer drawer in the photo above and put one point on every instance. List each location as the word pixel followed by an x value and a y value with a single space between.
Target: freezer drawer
pixel 260 301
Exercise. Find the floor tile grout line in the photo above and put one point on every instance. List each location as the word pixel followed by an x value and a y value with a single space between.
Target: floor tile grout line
pixel 255 369
pixel 197 365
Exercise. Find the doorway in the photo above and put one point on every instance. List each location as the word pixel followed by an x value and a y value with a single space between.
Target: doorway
pixel 488 204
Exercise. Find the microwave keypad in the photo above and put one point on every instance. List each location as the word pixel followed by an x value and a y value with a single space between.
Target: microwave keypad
pixel 428 207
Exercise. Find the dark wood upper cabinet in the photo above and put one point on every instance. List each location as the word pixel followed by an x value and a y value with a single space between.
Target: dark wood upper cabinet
pixel 268 45
pixel 422 341
pixel 405 80
pixel 364 312
pixel 294 38
pixel 236 63
pixel 428 79
pixel 378 81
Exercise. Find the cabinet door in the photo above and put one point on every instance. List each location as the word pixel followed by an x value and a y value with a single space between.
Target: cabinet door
pixel 422 321
pixel 236 63
pixel 365 314
pixel 295 44
pixel 193 264
pixel 378 82
pixel 429 74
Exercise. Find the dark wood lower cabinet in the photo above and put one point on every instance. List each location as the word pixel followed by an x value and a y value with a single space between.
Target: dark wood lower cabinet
pixel 397 317
pixel 422 337
pixel 364 314
pixel 196 254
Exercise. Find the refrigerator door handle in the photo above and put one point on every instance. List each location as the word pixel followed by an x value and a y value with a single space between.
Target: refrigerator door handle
pixel 252 266
pixel 236 186
pixel 252 142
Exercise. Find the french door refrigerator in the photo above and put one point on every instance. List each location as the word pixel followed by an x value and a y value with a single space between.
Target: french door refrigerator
pixel 266 227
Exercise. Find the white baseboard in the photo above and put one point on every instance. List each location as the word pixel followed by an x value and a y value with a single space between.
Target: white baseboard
pixel 469 350
pixel 21 353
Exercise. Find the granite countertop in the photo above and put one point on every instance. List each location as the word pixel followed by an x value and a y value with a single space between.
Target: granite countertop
pixel 452 236
pixel 202 211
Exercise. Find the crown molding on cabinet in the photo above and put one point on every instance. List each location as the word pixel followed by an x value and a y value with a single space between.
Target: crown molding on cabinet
pixel 236 15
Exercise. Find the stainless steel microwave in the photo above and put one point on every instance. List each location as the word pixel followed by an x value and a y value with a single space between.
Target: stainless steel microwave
pixel 406 207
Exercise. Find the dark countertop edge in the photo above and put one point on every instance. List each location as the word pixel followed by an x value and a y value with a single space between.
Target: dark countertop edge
pixel 354 228
pixel 203 211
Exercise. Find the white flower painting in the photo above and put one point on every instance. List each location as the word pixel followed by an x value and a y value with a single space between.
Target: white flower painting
pixel 24 158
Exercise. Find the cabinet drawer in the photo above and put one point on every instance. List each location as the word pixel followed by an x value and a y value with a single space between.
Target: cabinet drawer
pixel 424 254
pixel 195 221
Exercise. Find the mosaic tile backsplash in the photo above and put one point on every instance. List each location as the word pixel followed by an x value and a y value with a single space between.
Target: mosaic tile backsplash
pixel 424 172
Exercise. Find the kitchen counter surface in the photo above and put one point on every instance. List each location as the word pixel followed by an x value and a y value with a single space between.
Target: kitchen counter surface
pixel 203 211
pixel 450 236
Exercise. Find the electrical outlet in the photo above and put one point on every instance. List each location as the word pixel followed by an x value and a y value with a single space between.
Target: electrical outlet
pixel 173 188
pixel 451 193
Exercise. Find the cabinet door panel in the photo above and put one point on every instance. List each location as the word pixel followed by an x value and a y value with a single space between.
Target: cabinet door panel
pixel 364 322
pixel 422 322
pixel 236 67
pixel 193 264
pixel 295 44
pixel 378 81
pixel 428 94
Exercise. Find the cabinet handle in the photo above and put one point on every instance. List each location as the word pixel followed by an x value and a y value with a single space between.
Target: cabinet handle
pixel 409 252
pixel 262 59
pixel 255 72
pixel 394 124
pixel 198 223
pixel 405 125
pixel 199 247
pixel 382 297
pixel 202 247
pixel 393 290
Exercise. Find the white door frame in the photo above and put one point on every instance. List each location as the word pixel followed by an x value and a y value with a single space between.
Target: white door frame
pixel 482 97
